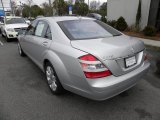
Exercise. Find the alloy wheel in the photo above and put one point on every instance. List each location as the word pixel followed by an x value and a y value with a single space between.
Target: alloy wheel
pixel 19 49
pixel 51 78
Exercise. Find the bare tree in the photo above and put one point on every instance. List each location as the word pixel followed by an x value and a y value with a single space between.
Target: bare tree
pixel 48 9
pixel 13 7
pixel 30 4
pixel 94 5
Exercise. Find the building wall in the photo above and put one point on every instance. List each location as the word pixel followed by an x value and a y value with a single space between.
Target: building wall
pixel 153 14
pixel 128 10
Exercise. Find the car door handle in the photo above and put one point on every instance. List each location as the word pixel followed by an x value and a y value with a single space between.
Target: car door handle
pixel 45 43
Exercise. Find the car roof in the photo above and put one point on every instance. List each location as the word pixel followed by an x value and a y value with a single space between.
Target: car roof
pixel 64 18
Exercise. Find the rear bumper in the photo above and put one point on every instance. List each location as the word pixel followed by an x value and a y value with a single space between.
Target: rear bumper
pixel 105 88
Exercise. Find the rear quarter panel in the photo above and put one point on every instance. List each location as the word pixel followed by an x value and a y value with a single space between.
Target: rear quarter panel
pixel 65 61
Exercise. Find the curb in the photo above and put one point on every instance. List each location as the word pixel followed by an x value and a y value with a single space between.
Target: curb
pixel 152 47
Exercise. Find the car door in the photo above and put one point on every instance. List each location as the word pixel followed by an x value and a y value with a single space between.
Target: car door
pixel 28 38
pixel 42 41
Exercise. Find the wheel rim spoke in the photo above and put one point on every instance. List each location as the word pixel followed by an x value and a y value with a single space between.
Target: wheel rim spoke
pixel 19 49
pixel 53 86
pixel 51 78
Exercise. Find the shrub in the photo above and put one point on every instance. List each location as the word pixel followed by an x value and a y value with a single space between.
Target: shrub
pixel 158 67
pixel 133 28
pixel 149 31
pixel 121 24
pixel 112 23
pixel 103 19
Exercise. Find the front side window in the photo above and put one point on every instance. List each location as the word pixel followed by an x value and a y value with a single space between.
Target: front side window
pixel 86 29
pixel 41 29
pixel 31 28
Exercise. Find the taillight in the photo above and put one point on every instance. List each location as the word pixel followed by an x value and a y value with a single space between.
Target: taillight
pixel 88 58
pixel 92 67
pixel 145 57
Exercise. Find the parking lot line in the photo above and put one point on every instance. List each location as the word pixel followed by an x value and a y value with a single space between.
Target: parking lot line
pixel 1 43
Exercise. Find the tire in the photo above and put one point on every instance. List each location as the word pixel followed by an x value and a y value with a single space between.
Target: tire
pixel 20 51
pixel 2 35
pixel 7 39
pixel 53 80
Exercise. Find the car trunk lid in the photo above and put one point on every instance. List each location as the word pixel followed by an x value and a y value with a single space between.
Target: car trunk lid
pixel 113 51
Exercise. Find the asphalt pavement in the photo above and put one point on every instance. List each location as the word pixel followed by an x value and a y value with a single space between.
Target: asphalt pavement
pixel 24 94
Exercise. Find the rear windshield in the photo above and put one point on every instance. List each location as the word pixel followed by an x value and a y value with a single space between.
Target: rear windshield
pixel 87 29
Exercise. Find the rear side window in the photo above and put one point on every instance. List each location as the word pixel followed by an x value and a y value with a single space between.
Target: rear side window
pixel 48 34
pixel 86 29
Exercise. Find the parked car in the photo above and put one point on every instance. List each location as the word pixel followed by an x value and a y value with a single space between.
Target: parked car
pixel 70 15
pixel 12 26
pixel 27 21
pixel 1 22
pixel 94 15
pixel 40 16
pixel 84 56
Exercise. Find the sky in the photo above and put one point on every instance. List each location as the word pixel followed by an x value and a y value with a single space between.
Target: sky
pixel 39 2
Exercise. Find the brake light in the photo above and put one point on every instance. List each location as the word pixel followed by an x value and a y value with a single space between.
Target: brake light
pixel 88 58
pixel 93 68
pixel 145 57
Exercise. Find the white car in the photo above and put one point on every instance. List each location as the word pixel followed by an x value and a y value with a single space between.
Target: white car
pixel 11 27
pixel 27 21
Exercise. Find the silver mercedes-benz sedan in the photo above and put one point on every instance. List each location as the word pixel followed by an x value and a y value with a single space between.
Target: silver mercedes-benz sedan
pixel 84 56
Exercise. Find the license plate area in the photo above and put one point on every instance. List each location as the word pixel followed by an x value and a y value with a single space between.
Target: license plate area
pixel 130 61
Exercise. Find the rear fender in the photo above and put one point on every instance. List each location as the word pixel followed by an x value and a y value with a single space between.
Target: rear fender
pixel 59 67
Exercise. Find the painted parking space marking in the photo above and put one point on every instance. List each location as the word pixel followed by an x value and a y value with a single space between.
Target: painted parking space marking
pixel 1 43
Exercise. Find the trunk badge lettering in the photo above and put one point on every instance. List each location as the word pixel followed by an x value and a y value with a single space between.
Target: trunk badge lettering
pixel 132 50
pixel 108 57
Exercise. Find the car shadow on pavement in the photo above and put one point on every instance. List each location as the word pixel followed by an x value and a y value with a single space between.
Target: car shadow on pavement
pixel 158 68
